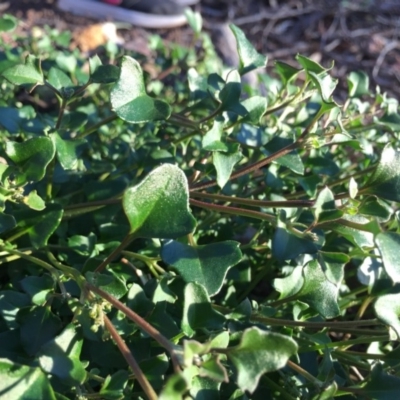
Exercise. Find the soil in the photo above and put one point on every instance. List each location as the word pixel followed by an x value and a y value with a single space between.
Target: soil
pixel 356 35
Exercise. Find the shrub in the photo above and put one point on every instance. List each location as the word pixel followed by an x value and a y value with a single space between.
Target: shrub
pixel 189 237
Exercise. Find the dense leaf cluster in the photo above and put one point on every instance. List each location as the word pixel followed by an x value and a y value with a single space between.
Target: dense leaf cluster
pixel 194 237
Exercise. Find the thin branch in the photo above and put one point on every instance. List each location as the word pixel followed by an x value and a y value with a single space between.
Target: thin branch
pixel 123 348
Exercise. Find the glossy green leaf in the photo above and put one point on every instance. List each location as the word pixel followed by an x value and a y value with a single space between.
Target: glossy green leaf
pixel 175 388
pixel 390 121
pixel 159 206
pixel 38 287
pixel 292 160
pixel 206 265
pixel 256 107
pixel 387 309
pixel 213 369
pixel 325 84
pixel 67 62
pixel 318 291
pixel 374 207
pixel 34 201
pixel 22 382
pixel 286 71
pixel 60 357
pixel 333 265
pixel 310 65
pixel 38 325
pixel 105 74
pixel 31 158
pixel 29 73
pixel 389 246
pixel 197 311
pixel 230 94
pixel 40 225
pixel 129 98
pixel 358 83
pixel 249 58
pixel 205 388
pixel 59 79
pixel 381 386
pixel 67 151
pixel 224 163
pixel 259 352
pixel 325 208
pixel 7 23
pixel 385 180
pixel 212 139
pixel 114 385
pixel 108 281
pixel 10 303
pixel 7 222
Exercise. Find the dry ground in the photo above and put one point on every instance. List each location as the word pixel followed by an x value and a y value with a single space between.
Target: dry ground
pixel 356 35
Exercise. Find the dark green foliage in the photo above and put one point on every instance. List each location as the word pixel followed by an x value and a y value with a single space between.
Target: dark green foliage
pixel 192 238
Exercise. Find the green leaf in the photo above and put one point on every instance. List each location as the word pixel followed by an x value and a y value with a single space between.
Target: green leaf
pixel 159 206
pixel 318 291
pixel 38 325
pixel 230 94
pixel 60 357
pixel 40 225
pixel 7 23
pixel 10 303
pixel 205 388
pixel 31 158
pixel 129 98
pixel 325 208
pixel 29 73
pixel 310 65
pixel 292 160
pixel 105 74
pixel 38 287
pixel 374 207
pixel 212 139
pixel 67 62
pixel 34 201
pixel 197 311
pixel 114 386
pixel 387 309
pixel 175 388
pixel 358 83
pixel 249 58
pixel 7 222
pixel 388 244
pixel 256 107
pixel 206 265
pixel 286 71
pixel 108 281
pixel 59 79
pixel 22 382
pixel 385 180
pixel 224 163
pixel 194 20
pixel 67 151
pixel 259 352
pixel 325 85
pixel 381 386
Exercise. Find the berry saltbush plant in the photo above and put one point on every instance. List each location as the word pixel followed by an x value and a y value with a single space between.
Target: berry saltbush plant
pixel 189 237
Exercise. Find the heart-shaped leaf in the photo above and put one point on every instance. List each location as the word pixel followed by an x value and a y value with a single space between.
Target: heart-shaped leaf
pixel 385 181
pixel 60 357
pixel 259 352
pixel 387 309
pixel 197 311
pixel 207 265
pixel 31 157
pixel 29 73
pixel 389 246
pixel 67 151
pixel 129 98
pixel 249 58
pixel 224 163
pixel 16 379
pixel 159 206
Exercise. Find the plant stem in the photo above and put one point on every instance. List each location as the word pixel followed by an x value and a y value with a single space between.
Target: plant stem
pixel 252 202
pixel 233 210
pixel 346 343
pixel 128 239
pixel 123 348
pixel 304 373
pixel 138 320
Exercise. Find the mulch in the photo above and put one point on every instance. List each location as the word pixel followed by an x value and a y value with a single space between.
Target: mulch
pixel 360 35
